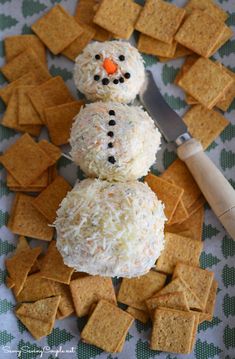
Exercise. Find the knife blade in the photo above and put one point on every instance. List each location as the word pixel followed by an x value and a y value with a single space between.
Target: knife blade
pixel 167 120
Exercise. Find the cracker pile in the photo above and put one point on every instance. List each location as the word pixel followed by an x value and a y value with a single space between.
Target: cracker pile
pixel 177 295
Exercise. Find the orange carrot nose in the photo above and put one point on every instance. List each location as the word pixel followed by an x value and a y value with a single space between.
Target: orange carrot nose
pixel 109 66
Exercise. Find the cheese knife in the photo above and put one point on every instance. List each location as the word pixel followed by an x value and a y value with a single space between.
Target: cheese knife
pixel 217 190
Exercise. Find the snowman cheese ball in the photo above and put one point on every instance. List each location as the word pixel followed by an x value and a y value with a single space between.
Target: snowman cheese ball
pixel 109 71
pixel 114 141
pixel 110 228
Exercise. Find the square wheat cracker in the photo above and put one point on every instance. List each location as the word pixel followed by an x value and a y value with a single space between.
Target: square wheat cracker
pixel 199 280
pixel 140 315
pixel 179 174
pixel 23 63
pixel 209 6
pixel 134 291
pixel 76 47
pixel 51 150
pixel 25 160
pixel 39 317
pixel 117 16
pixel 174 300
pixel 160 20
pixel 48 201
pixel 66 306
pixel 27 115
pixel 51 93
pixel 53 266
pixel 107 327
pixel 179 285
pixel 57 29
pixel 180 51
pixel 11 117
pixel 225 103
pixel 19 266
pixel 204 125
pixel 178 249
pixel 167 192
pixel 199 33
pixel 88 290
pixel 172 331
pixel 206 81
pixel 84 14
pixel 59 121
pixel 25 220
pixel 14 45
pixel 151 46
pixel 189 61
pixel 225 35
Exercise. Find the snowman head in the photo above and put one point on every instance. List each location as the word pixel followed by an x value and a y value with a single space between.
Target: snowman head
pixel 109 71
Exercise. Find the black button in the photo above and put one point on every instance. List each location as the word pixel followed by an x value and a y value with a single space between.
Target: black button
pixel 127 75
pixel 105 81
pixel 111 159
pixel 96 77
pixel 110 145
pixel 97 57
pixel 122 58
pixel 121 80
pixel 112 123
pixel 110 134
pixel 112 113
pixel 115 81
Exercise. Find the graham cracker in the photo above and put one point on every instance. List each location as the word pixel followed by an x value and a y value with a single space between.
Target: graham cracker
pixel 51 93
pixel 210 304
pixel 135 291
pixel 178 173
pixel 25 220
pixel 180 214
pixel 15 44
pixel 76 47
pixel 107 327
pixel 59 121
pixel 19 266
pixel 23 244
pixel 23 63
pixel 206 81
pixel 199 280
pixel 199 203
pixel 199 33
pixel 179 285
pixel 11 116
pixel 35 287
pixel 208 6
pixel 138 314
pixel 172 331
pixel 110 16
pixel 195 328
pixel 48 201
pixel 39 317
pixel 9 282
pixel 25 160
pixel 160 20
pixel 84 14
pixel 88 290
pixel 174 300
pixel 178 249
pixel 27 115
pixel 53 266
pixel 66 306
pixel 204 125
pixel 229 95
pixel 25 80
pixel 57 29
pixel 167 192
pixel 151 46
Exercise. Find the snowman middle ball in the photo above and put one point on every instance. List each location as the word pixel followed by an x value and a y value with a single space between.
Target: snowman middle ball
pixel 114 141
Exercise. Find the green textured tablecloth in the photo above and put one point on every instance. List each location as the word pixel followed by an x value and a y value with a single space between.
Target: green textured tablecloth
pixel 215 339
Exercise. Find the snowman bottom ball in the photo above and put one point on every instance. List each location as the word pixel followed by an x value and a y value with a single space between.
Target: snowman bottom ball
pixel 110 229
pixel 114 141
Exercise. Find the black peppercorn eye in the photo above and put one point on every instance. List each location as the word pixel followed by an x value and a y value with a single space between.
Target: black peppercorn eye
pixel 97 57
pixel 112 113
pixel 127 75
pixel 96 77
pixel 122 58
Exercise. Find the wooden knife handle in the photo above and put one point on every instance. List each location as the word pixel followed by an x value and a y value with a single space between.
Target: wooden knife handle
pixel 216 189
